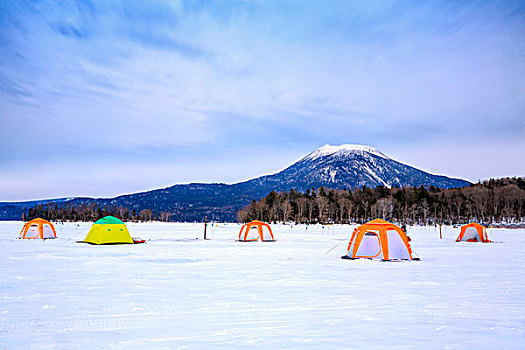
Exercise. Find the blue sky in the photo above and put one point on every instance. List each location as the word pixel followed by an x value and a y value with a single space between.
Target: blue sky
pixel 100 98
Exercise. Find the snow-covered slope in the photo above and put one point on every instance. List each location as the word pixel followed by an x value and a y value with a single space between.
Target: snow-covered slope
pixel 177 292
pixel 351 166
pixel 343 150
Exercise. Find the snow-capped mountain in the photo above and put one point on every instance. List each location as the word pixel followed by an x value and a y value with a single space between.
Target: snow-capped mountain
pixel 351 166
pixel 338 167
pixel 343 150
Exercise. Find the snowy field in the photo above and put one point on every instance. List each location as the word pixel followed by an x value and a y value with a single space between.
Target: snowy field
pixel 179 292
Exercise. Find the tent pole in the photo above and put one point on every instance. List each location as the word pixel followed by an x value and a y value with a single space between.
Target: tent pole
pixel 205 224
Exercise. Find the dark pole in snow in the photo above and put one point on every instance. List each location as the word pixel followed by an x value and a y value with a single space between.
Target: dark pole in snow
pixel 440 222
pixel 205 224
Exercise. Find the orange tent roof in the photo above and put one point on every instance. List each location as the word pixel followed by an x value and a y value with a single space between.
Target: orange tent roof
pixel 378 222
pixel 38 221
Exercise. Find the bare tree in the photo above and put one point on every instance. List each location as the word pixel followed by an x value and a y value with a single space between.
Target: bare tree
pixel 478 196
pixel 311 207
pixel 286 208
pixel 301 202
pixel 322 204
pixel 384 208
pixel 165 216
pixel 425 209
pixel 261 209
pixel 458 202
pixel 510 197
pixel 345 207
pixel 145 214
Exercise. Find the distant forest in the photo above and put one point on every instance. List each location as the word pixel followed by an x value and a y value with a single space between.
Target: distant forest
pixel 491 201
pixel 91 212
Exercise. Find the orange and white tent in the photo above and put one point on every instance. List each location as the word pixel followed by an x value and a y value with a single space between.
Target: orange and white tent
pixel 473 232
pixel 379 239
pixel 255 230
pixel 39 229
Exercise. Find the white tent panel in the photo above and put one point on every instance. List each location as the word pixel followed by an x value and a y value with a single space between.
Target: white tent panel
pixel 369 246
pixel 266 234
pixel 33 231
pixel 48 231
pixel 470 233
pixel 396 247
pixel 253 233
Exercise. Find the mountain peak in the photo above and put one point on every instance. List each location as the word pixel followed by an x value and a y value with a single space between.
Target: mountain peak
pixel 329 150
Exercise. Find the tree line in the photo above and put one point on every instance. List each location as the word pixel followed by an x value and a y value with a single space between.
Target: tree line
pixel 90 212
pixel 491 201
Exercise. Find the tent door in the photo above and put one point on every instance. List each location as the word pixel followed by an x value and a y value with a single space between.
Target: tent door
pixel 470 233
pixel 33 231
pixel 369 247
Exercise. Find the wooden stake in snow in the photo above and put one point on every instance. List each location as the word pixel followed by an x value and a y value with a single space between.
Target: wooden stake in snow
pixel 205 224
pixel 440 222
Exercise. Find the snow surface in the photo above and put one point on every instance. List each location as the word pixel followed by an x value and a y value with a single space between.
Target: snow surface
pixel 177 291
pixel 328 150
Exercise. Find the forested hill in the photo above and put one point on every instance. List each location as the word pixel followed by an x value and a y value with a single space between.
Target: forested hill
pixel 501 200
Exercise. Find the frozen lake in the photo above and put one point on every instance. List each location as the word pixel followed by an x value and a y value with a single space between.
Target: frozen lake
pixel 177 291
